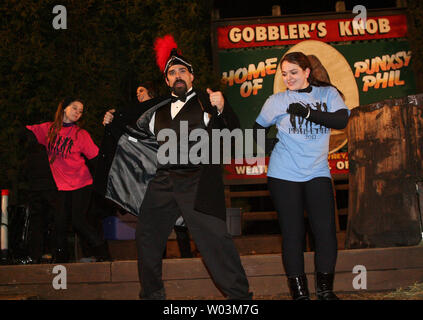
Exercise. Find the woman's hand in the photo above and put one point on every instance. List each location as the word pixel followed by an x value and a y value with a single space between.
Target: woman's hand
pixel 298 109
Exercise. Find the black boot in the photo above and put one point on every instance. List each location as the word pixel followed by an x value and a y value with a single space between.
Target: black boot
pixel 298 287
pixel 324 286
pixel 60 256
pixel 101 252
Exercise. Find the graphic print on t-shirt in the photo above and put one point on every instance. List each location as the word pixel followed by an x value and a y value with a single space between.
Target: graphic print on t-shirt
pixel 60 146
pixel 300 125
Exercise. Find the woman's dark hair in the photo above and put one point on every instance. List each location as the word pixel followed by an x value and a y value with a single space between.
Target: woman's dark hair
pixel 303 62
pixel 151 87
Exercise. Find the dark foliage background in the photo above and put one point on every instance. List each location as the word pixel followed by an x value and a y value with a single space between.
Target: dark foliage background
pixel 415 36
pixel 105 52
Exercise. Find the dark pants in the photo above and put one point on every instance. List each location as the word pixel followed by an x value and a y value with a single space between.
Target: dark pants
pixel 168 196
pixel 99 209
pixel 41 206
pixel 290 200
pixel 184 241
pixel 73 206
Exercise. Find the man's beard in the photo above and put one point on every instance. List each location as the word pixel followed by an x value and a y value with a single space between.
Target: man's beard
pixel 179 90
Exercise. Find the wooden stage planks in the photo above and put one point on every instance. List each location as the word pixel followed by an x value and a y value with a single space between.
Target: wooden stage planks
pixel 387 269
pixel 251 244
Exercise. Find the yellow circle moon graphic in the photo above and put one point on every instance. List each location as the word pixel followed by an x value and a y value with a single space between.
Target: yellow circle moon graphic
pixel 340 74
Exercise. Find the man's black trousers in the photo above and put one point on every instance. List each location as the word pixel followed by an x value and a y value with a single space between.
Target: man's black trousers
pixel 169 195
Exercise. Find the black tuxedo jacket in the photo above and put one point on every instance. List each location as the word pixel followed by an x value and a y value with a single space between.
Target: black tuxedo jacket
pixel 128 170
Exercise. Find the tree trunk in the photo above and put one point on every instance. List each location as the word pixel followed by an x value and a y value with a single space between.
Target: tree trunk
pixel 385 142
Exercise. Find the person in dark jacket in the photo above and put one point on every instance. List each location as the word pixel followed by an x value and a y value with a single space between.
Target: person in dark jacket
pixel 116 123
pixel 42 195
pixel 162 191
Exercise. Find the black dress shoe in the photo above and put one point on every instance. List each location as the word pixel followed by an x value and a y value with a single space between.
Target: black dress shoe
pixel 298 287
pixel 249 296
pixel 324 286
pixel 156 295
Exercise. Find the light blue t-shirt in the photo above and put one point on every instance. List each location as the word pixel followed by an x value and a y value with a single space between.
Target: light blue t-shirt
pixel 301 153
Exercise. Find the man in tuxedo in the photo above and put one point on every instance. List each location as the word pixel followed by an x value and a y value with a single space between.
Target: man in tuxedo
pixel 166 190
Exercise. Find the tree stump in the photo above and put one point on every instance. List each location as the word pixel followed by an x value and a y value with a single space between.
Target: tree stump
pixel 385 142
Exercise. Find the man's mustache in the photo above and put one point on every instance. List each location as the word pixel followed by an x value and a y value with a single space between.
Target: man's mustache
pixel 179 81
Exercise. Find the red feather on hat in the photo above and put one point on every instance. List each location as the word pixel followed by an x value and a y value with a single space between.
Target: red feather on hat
pixel 163 47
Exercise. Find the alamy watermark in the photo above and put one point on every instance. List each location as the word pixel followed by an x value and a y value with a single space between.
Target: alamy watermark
pixel 218 150
pixel 60 21
pixel 360 20
pixel 60 282
pixel 360 280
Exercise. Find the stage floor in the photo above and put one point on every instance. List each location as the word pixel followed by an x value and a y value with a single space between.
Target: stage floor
pixel 386 269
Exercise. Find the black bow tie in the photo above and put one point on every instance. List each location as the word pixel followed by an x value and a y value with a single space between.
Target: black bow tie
pixel 182 98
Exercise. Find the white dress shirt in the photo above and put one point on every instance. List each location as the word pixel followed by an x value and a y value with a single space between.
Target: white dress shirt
pixel 177 106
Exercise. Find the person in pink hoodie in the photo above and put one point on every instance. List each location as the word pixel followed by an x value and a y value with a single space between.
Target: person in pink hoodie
pixel 68 147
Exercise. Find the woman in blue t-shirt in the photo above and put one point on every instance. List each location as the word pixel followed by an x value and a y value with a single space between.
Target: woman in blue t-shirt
pixel 298 175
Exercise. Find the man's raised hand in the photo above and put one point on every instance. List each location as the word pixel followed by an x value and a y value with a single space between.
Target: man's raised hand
pixel 216 99
pixel 108 117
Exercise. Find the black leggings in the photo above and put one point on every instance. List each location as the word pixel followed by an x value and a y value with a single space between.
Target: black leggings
pixel 290 200
pixel 73 205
